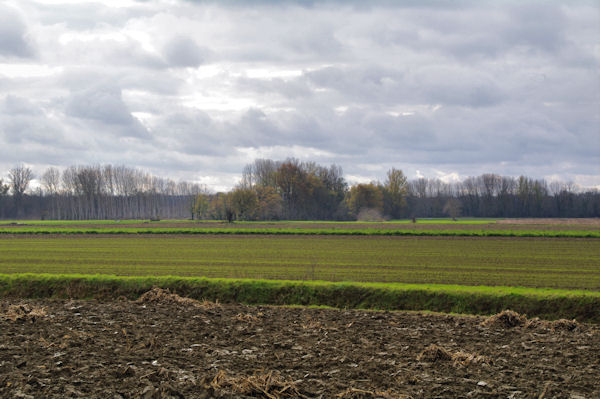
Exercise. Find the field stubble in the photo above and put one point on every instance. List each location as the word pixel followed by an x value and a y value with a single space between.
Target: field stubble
pixel 163 346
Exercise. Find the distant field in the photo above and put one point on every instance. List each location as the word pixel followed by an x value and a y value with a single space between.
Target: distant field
pixel 528 262
pixel 443 228
pixel 466 224
pixel 250 224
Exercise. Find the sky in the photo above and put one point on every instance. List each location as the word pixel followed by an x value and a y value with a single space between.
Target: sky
pixel 195 90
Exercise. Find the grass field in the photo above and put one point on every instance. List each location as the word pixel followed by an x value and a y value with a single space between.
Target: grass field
pixel 526 262
pixel 543 268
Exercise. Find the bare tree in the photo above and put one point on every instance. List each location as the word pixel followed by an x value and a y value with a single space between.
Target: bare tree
pixel 3 191
pixel 264 172
pixel 247 177
pixel 50 182
pixel 3 188
pixel 19 178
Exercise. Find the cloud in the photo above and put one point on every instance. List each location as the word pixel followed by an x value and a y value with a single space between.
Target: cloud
pixel 184 52
pixel 14 38
pixel 195 89
pixel 103 108
pixel 38 138
pixel 13 105
pixel 99 51
pixel 538 26
pixel 191 132
pixel 275 86
pixel 151 82
pixel 456 86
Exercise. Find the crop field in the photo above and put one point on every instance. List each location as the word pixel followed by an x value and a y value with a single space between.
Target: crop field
pixel 527 262
pixel 543 267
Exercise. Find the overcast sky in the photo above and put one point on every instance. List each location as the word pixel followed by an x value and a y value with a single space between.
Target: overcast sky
pixel 195 90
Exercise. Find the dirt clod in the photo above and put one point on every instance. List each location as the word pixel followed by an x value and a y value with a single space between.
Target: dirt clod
pixel 159 295
pixel 23 312
pixel 564 325
pixel 510 319
pixel 269 385
pixel 434 353
pixel 165 296
pixel 465 359
pixel 354 393
pixel 506 319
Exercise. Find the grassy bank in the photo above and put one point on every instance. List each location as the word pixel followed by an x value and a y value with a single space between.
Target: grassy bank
pixel 543 303
pixel 44 230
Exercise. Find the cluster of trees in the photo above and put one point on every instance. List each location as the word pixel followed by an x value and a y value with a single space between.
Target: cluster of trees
pixel 290 189
pixel 294 190
pixel 95 192
pixel 491 195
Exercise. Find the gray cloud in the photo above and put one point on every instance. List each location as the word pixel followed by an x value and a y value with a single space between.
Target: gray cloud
pixel 25 126
pixel 192 132
pixel 184 52
pixel 80 79
pixel 112 52
pixel 429 84
pixel 537 27
pixel 14 38
pixel 13 105
pixel 103 107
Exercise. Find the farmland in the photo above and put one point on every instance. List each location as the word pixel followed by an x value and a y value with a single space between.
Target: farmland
pixel 167 347
pixel 528 262
pixel 468 266
pixel 157 344
pixel 420 225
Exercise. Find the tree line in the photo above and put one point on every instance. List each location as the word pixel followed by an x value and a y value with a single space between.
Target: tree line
pixel 282 190
pixel 95 192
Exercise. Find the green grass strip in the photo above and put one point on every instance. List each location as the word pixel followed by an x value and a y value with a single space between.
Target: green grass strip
pixel 299 231
pixel 544 303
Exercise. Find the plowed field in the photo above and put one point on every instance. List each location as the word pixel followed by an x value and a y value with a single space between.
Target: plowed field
pixel 163 346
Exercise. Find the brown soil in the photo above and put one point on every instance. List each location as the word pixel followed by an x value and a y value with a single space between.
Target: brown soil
pixel 503 224
pixel 164 347
pixel 575 222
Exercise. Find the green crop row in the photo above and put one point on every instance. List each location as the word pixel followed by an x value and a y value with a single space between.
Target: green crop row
pixel 300 231
pixel 549 263
pixel 547 304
